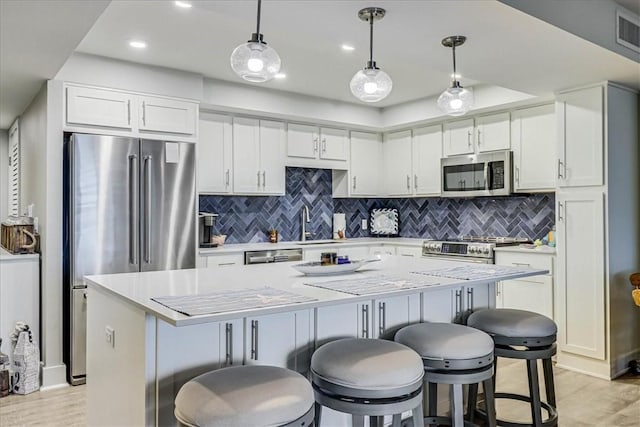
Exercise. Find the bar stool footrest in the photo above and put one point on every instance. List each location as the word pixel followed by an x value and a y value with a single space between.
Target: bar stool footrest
pixel 552 413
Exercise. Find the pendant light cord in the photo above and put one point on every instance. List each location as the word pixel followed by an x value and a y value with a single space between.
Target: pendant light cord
pixel 258 24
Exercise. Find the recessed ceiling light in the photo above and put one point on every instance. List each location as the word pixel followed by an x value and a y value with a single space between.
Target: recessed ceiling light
pixel 348 47
pixel 280 76
pixel 138 44
pixel 183 4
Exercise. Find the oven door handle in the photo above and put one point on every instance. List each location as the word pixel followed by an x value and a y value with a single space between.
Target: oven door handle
pixel 460 258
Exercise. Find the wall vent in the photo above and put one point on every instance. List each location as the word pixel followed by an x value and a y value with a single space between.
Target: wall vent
pixel 628 29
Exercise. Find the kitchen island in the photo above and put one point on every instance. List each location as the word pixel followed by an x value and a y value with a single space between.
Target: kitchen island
pixel 140 352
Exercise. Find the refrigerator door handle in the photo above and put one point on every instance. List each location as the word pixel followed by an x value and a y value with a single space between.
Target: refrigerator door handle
pixel 133 209
pixel 147 209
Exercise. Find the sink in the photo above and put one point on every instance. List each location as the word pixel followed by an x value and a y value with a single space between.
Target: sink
pixel 319 242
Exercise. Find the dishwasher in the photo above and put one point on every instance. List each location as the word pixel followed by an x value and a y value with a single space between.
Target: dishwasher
pixel 272 255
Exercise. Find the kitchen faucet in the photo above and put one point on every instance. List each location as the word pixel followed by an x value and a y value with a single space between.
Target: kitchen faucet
pixel 305 219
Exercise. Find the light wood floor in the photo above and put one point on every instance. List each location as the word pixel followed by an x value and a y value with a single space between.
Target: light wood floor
pixel 582 401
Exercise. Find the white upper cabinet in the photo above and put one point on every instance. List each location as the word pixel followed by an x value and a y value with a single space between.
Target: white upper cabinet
pixel 98 107
pixel 258 156
pixel 581 137
pixel 533 136
pixel 310 146
pixel 427 152
pixel 166 115
pixel 492 132
pixel 364 170
pixel 484 133
pixel 215 158
pixel 116 112
pixel 412 163
pixel 396 154
pixel 458 137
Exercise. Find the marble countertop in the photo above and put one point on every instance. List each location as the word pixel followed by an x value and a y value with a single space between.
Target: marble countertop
pixel 7 256
pixel 549 250
pixel 139 288
pixel 242 247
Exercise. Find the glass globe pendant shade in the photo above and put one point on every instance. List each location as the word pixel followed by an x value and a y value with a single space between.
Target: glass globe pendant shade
pixel 456 100
pixel 255 62
pixel 371 85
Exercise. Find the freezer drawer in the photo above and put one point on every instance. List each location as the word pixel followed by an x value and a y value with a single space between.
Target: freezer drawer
pixel 78 336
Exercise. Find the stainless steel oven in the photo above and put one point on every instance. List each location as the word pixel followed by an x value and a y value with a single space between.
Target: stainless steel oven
pixel 483 174
pixel 475 249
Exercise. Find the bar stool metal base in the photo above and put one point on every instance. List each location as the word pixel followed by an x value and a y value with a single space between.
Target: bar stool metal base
pixel 531 355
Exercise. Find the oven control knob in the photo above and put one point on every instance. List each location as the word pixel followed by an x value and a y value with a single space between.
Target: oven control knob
pixel 485 251
pixel 472 250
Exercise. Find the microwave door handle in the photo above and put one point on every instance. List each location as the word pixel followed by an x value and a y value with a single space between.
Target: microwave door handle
pixel 487 185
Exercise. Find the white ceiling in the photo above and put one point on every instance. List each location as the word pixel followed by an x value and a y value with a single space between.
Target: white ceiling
pixel 36 38
pixel 505 46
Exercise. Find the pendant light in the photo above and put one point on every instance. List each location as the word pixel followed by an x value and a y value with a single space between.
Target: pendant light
pixel 456 100
pixel 254 61
pixel 371 84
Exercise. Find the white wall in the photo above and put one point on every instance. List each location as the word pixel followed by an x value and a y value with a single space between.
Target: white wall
pixel 221 95
pixel 41 184
pixel 112 73
pixel 4 174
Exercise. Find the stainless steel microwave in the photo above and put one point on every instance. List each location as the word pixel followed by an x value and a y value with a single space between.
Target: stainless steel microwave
pixel 483 174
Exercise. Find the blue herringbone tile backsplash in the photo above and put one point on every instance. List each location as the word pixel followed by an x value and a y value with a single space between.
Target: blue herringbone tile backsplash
pixel 248 219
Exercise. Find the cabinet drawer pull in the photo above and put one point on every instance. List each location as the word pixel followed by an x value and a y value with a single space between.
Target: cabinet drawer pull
pixel 226 263
pixel 522 263
pixel 254 340
pixel 229 343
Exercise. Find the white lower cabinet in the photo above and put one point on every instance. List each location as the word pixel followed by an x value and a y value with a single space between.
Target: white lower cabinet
pixel 278 339
pixel 532 293
pixel 450 305
pixel 393 313
pixel 581 273
pixel 411 251
pixel 220 260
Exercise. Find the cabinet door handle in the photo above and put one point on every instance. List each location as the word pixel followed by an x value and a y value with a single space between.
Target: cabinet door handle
pixel 128 111
pixel 560 218
pixel 478 142
pixel 415 181
pixel 254 340
pixel 229 343
pixel 470 304
pixel 498 285
pixel 458 302
pixel 258 173
pixel 144 114
pixel 559 169
pixel 324 145
pixel 264 179
pixel 227 178
pixel 365 321
pixel 354 182
pixel 408 182
pixel 469 138
pixel 315 144
pixel 382 313
pixel 517 174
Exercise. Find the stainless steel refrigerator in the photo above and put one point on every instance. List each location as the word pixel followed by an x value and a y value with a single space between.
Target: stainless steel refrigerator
pixel 130 205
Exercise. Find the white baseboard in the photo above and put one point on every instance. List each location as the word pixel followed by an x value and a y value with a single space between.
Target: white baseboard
pixel 54 377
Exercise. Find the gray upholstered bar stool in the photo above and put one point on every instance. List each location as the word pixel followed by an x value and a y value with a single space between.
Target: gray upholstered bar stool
pixel 520 334
pixel 246 396
pixel 451 354
pixel 367 377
